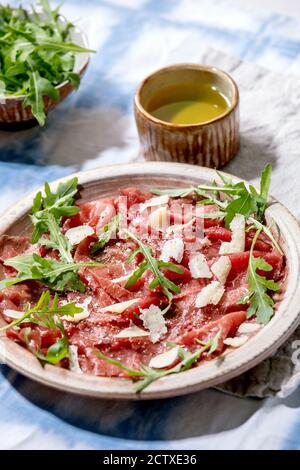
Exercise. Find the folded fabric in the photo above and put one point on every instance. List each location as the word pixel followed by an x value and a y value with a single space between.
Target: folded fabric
pixel 270 133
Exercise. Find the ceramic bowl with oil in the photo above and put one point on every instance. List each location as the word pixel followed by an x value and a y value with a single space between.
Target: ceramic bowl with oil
pixel 188 113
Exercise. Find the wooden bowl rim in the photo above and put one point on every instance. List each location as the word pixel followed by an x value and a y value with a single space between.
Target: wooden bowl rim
pixel 261 346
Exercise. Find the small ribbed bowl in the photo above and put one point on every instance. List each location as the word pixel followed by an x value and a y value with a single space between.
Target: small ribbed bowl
pixel 212 143
pixel 13 116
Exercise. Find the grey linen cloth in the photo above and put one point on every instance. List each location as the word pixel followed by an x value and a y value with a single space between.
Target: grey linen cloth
pixel 270 133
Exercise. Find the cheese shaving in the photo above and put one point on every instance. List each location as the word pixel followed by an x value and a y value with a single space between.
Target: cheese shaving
pixel 248 327
pixel 15 314
pixel 165 359
pixel 210 294
pixel 73 360
pixel 158 219
pixel 154 321
pixel 120 307
pixel 172 249
pixel 75 235
pixel 133 331
pixel 237 243
pixel 178 227
pixel 82 315
pixel 236 342
pixel 221 268
pixel 199 267
pixel 154 201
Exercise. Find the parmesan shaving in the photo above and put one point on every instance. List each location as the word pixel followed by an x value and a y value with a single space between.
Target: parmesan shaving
pixel 73 360
pixel 154 321
pixel 120 307
pixel 133 331
pixel 178 227
pixel 155 201
pixel 248 327
pixel 172 249
pixel 199 267
pixel 82 315
pixel 77 317
pixel 164 359
pixel 221 268
pixel 75 235
pixel 210 294
pixel 158 219
pixel 15 314
pixel 236 342
pixel 237 243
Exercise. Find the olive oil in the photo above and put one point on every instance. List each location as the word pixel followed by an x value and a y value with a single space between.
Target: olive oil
pixel 187 104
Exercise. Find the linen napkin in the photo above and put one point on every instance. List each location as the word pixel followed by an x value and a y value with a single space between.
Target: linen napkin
pixel 270 133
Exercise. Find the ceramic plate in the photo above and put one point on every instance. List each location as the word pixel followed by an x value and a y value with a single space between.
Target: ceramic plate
pixel 103 181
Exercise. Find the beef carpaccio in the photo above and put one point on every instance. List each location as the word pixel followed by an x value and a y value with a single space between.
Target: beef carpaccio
pixel 172 277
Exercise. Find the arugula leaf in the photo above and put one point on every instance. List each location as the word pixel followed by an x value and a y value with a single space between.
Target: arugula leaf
pixel 44 312
pixel 108 231
pixel 267 231
pixel 148 375
pixel 58 275
pixel 47 313
pixel 57 240
pixel 61 46
pixel 211 215
pixel 242 199
pixel 173 192
pixel 36 55
pixel 57 352
pixel 21 50
pixel 214 342
pixel 59 204
pixel 212 198
pixel 2 88
pixel 244 204
pixel 47 212
pixel 154 265
pixel 237 199
pixel 74 79
pixel 261 304
pixel 265 183
pixel 40 87
pixel 50 15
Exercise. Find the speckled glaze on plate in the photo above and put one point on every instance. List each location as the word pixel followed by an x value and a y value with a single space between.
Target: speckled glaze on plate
pixel 103 181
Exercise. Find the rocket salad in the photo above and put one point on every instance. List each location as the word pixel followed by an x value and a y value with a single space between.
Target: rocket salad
pixel 36 55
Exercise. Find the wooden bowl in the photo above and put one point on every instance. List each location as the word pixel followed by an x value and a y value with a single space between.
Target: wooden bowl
pixel 12 114
pixel 103 181
pixel 212 143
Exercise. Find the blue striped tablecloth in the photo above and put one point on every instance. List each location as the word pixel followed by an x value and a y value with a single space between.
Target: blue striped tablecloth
pixel 95 127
